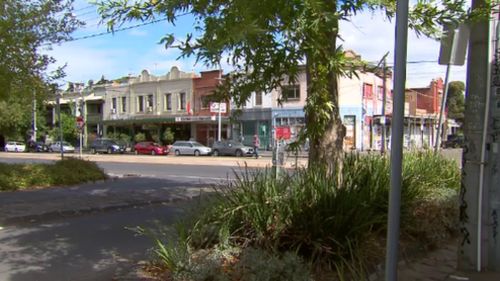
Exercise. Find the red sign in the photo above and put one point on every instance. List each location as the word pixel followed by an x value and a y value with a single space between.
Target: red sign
pixel 80 122
pixel 283 133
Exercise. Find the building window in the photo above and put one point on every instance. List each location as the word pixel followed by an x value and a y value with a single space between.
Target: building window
pixel 168 101
pixel 367 91
pixel 290 92
pixel 182 101
pixel 113 103
pixel 140 104
pixel 258 98
pixel 205 101
pixel 150 101
pixel 124 104
pixel 380 93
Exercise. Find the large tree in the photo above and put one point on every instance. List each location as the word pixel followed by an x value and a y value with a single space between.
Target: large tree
pixel 27 30
pixel 455 101
pixel 267 40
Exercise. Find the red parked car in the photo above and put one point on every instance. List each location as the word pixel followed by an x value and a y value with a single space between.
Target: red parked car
pixel 149 147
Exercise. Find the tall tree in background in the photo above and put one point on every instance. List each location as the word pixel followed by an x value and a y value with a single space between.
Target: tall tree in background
pixel 27 28
pixel 455 101
pixel 267 40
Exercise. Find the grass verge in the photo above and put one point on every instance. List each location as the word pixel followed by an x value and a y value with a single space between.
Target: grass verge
pixel 69 171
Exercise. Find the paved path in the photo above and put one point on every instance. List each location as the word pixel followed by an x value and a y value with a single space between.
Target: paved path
pixel 85 198
pixel 437 265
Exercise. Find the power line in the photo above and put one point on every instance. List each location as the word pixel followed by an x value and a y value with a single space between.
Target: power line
pixel 84 8
pixel 114 31
pixel 119 29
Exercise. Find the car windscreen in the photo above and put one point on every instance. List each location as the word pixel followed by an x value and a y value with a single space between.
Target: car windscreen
pixel 197 144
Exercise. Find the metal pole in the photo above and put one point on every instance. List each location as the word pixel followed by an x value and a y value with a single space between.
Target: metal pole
pixel 60 126
pixel 34 116
pixel 219 125
pixel 443 103
pixel 391 269
pixel 384 100
pixel 81 129
pixel 484 137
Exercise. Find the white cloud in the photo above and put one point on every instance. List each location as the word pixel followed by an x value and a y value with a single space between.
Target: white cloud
pixel 371 36
pixel 85 63
pixel 367 34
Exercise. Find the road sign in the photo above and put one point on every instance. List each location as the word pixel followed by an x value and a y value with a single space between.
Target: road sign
pixel 214 107
pixel 80 122
pixel 454 44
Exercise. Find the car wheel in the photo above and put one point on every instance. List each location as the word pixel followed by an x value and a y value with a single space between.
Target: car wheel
pixel 51 150
pixel 92 150
pixel 110 150
pixel 177 153
pixel 215 153
pixel 196 153
pixel 153 152
pixel 239 153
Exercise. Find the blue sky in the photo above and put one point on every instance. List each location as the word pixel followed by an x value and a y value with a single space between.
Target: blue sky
pixel 130 51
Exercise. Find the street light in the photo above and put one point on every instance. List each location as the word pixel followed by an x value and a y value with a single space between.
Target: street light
pixel 58 102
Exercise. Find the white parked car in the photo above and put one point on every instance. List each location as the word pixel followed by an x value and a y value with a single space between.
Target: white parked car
pixel 15 146
pixel 190 148
pixel 56 147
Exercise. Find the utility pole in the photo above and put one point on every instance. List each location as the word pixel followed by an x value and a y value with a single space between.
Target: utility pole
pixel 384 100
pixel 58 102
pixel 34 116
pixel 480 189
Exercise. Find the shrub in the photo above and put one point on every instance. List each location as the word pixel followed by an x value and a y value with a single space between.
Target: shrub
pixel 323 220
pixel 69 171
pixel 139 137
pixel 168 136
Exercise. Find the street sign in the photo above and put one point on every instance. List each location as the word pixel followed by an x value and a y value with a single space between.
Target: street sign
pixel 80 122
pixel 454 44
pixel 214 107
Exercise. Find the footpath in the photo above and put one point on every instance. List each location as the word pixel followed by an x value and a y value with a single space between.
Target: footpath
pixel 114 193
pixel 437 265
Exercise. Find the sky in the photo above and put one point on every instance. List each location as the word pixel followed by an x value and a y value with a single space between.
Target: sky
pixel 93 55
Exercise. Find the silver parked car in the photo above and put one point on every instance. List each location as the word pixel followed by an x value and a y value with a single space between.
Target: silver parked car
pixel 232 148
pixel 56 147
pixel 15 146
pixel 190 148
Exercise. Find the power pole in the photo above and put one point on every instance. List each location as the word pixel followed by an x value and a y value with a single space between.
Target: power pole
pixel 384 100
pixel 34 116
pixel 480 190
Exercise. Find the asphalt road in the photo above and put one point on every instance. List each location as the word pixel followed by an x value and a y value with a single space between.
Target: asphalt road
pixel 192 170
pixel 97 247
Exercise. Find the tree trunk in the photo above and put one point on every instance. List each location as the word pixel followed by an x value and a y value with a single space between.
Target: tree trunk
pixel 326 146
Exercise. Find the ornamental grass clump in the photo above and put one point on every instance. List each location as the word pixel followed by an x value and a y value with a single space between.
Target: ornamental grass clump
pixel 326 221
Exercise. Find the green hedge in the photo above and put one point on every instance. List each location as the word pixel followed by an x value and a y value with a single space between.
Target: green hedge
pixel 69 171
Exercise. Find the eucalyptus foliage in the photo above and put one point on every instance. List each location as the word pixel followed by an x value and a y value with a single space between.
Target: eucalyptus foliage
pixel 267 41
pixel 27 28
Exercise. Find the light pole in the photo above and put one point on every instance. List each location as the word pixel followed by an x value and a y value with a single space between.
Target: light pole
pixel 219 126
pixel 34 116
pixel 58 102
